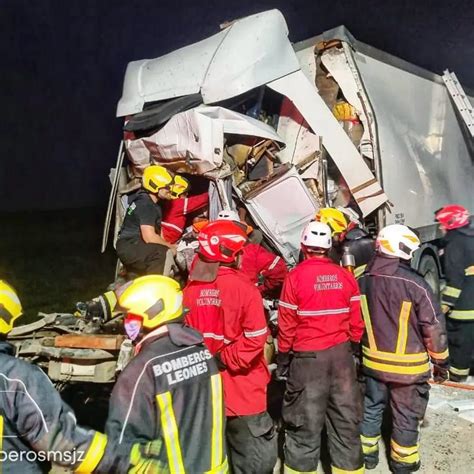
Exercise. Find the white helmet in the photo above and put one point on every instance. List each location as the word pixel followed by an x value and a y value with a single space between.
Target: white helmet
pixel 317 235
pixel 228 215
pixel 397 241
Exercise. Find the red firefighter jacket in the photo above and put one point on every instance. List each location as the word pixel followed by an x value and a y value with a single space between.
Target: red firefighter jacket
pixel 229 313
pixel 258 262
pixel 175 213
pixel 404 323
pixel 319 307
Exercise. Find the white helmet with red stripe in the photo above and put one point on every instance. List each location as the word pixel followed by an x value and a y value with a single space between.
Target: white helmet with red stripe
pixel 397 241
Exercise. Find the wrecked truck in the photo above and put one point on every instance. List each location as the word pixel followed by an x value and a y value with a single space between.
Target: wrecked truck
pixel 283 129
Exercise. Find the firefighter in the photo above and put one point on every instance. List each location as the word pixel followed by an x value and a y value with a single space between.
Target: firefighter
pixel 348 236
pixel 405 328
pixel 319 320
pixel 265 269
pixel 225 306
pixel 169 397
pixel 33 418
pixel 176 211
pixel 140 246
pixel 458 296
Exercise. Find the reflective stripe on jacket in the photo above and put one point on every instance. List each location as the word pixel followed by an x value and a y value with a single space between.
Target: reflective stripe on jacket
pixel 34 418
pixel 166 409
pixel 319 307
pixel 229 313
pixel 404 324
pixel 459 270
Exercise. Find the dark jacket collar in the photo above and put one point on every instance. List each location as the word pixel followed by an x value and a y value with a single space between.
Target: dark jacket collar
pixel 179 334
pixel 382 265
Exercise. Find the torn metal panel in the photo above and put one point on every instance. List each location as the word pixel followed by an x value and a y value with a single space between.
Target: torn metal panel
pixel 249 53
pixel 193 141
pixel 363 185
pixel 307 60
pixel 335 61
pixel 301 143
pixel 157 115
pixel 282 224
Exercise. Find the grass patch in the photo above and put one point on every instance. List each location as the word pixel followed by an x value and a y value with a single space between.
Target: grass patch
pixel 53 258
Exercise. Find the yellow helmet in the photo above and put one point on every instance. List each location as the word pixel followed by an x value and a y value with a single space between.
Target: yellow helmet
pixel 156 177
pixel 180 185
pixel 334 218
pixel 10 307
pixel 156 298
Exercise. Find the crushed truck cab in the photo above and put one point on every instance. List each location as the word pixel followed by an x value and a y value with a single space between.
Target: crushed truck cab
pixel 284 129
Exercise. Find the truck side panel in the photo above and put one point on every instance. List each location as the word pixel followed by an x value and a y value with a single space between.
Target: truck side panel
pixel 425 160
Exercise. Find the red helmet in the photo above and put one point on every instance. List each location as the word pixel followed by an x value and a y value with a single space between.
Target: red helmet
pixel 452 216
pixel 221 241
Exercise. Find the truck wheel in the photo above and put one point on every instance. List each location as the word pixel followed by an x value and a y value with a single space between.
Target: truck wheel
pixel 429 271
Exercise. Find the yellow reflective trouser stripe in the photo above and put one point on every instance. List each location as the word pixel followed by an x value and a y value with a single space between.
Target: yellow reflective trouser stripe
pixel 390 356
pixel 469 271
pixel 217 421
pixel 370 444
pixel 370 440
pixel 170 432
pixel 457 371
pixel 289 470
pixel 462 314
pixel 94 454
pixel 396 369
pixel 404 454
pixel 451 291
pixel 368 322
pixel 336 470
pixel 439 355
pixel 403 328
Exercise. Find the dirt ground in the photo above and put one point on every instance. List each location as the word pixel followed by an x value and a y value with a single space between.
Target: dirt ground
pixel 447 441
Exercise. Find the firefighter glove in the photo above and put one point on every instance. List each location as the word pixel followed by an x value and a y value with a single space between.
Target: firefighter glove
pixel 445 308
pixel 283 365
pixel 440 373
pixel 219 362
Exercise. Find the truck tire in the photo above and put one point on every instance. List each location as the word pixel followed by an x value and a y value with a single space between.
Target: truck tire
pixel 429 270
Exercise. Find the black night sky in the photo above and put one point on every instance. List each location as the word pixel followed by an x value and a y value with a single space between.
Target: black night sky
pixel 63 63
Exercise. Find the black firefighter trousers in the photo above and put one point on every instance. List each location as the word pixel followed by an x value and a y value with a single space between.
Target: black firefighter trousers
pixel 408 404
pixel 461 347
pixel 322 389
pixel 141 258
pixel 251 443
